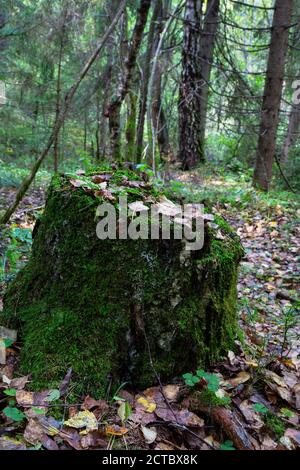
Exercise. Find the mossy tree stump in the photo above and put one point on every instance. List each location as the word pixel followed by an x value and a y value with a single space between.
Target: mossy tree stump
pixel 103 307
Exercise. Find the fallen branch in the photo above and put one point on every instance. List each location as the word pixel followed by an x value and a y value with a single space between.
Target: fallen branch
pixel 228 421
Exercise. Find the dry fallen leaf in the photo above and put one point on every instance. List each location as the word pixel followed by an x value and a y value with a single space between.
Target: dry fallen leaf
pixel 20 382
pixel 33 432
pixel 148 406
pixel 171 392
pixel 138 206
pixel 275 378
pixel 84 419
pixel 150 434
pixel 241 378
pixel 115 430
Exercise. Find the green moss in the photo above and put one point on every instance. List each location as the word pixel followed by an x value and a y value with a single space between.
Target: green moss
pixel 208 398
pixel 274 424
pixel 89 304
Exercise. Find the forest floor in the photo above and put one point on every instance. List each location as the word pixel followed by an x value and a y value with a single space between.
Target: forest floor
pixel 259 384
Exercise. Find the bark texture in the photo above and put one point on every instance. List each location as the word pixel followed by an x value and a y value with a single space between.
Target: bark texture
pixel 272 94
pixel 190 87
pixel 114 108
pixel 292 131
pixel 145 80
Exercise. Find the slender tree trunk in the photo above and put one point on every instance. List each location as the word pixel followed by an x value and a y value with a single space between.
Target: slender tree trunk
pixel 145 80
pixel 292 130
pixel 131 126
pixel 114 108
pixel 103 126
pixel 158 115
pixel 272 94
pixel 85 131
pixel 58 87
pixel 62 115
pixel 208 36
pixel 98 152
pixel 190 88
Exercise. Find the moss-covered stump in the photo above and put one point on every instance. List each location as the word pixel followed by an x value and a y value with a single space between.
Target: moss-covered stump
pixel 103 307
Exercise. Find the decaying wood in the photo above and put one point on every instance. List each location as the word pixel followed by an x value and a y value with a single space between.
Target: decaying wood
pixel 228 420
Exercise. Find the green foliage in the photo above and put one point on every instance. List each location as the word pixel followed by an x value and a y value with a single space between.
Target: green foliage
pixel 10 392
pixel 13 413
pixel 227 445
pixel 274 424
pixel 209 398
pixel 260 408
pixel 18 244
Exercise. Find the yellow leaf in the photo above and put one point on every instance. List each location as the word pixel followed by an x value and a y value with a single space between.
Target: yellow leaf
pixel 147 405
pixel 84 419
pixel 252 364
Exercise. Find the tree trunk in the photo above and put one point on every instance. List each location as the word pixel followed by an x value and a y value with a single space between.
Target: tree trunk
pixel 158 115
pixel 131 126
pixel 114 109
pixel 58 87
pixel 272 94
pixel 61 118
pixel 190 88
pixel 145 81
pixel 291 135
pixel 207 49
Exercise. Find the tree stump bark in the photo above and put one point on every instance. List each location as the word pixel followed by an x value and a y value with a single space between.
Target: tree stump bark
pixel 111 308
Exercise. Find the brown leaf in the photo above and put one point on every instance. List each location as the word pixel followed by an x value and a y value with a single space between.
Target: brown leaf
pixel 97 179
pixel 72 437
pixel 65 383
pixel 92 404
pixel 270 375
pixel 33 432
pixel 76 183
pixel 284 393
pixel 241 378
pixel 106 194
pixel 25 398
pixel 93 439
pixel 49 443
pixel 20 382
pixel 182 417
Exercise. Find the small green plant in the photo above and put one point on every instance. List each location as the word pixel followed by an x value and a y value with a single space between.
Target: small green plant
pixel 19 244
pixel 288 322
pixel 211 394
pixel 287 413
pixel 212 380
pixel 274 424
pixel 227 445
pixel 260 408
